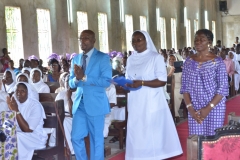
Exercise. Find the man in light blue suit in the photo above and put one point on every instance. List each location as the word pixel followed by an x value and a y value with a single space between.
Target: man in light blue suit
pixel 90 73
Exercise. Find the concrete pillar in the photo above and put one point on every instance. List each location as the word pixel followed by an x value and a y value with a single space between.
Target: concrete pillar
pixel 118 36
pixel 181 29
pixel 202 14
pixel 152 21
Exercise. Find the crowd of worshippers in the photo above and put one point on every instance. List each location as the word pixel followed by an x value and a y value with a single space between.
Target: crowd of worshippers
pixel 31 76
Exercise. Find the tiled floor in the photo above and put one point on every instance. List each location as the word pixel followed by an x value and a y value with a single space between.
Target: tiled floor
pixel 114 147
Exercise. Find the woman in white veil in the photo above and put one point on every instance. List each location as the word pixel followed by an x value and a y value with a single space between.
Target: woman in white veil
pixel 23 77
pixel 29 116
pixel 37 81
pixel 8 81
pixel 151 131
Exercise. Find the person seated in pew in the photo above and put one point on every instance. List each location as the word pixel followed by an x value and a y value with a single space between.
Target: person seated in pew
pixel 37 82
pixel 34 61
pixel 68 96
pixel 8 81
pixel 12 68
pixel 23 77
pixel 61 82
pixel 26 70
pixel 115 114
pixel 29 116
pixel 55 68
pixel 3 101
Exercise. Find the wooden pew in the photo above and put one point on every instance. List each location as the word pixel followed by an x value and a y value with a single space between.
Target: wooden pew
pixel 51 121
pixel 53 86
pixel 46 97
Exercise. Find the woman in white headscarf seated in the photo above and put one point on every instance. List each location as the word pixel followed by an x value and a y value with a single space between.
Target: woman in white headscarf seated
pixel 26 70
pixel 3 101
pixel 68 96
pixel 23 77
pixel 37 82
pixel 8 81
pixel 29 115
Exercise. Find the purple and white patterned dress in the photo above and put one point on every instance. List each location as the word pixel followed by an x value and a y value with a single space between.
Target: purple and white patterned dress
pixel 203 80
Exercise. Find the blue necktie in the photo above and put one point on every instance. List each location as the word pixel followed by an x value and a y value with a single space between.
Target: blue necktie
pixel 84 63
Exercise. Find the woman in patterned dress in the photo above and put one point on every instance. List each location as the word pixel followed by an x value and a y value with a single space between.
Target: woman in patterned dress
pixel 204 87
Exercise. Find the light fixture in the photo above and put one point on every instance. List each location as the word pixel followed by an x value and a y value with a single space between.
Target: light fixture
pixel 121 10
pixel 69 8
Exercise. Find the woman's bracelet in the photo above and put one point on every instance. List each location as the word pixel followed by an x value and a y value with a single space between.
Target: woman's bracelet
pixel 190 104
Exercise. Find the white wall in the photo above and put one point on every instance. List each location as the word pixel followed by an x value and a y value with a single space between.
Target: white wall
pixel 231 23
pixel 233 7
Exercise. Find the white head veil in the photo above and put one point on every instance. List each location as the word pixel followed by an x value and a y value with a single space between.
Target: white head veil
pixel 12 73
pixel 30 96
pixel 29 88
pixel 150 44
pixel 34 94
pixel 26 68
pixel 9 88
pixel 32 72
pixel 22 74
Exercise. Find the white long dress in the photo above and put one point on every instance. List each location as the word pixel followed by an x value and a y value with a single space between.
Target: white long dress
pixel 32 111
pixel 3 101
pixel 151 132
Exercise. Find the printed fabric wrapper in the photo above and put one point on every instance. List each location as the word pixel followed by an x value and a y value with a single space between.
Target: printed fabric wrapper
pixel 122 81
pixel 8 149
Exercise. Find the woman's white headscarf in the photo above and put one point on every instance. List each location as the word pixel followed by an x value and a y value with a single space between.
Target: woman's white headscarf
pixel 10 87
pixel 30 98
pixel 150 44
pixel 22 74
pixel 34 91
pixel 32 72
pixel 27 69
pixel 40 86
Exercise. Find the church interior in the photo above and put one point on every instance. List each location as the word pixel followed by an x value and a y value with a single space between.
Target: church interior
pixel 43 30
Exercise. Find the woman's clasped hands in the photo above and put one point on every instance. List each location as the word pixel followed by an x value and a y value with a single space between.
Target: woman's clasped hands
pixel 199 115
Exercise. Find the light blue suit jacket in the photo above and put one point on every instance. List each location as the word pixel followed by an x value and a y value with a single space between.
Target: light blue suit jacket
pixel 99 73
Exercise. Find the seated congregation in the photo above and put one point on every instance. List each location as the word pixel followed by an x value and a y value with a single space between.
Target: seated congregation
pixel 38 93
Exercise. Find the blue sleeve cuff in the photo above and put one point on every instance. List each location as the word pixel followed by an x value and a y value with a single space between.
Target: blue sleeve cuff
pixel 75 80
